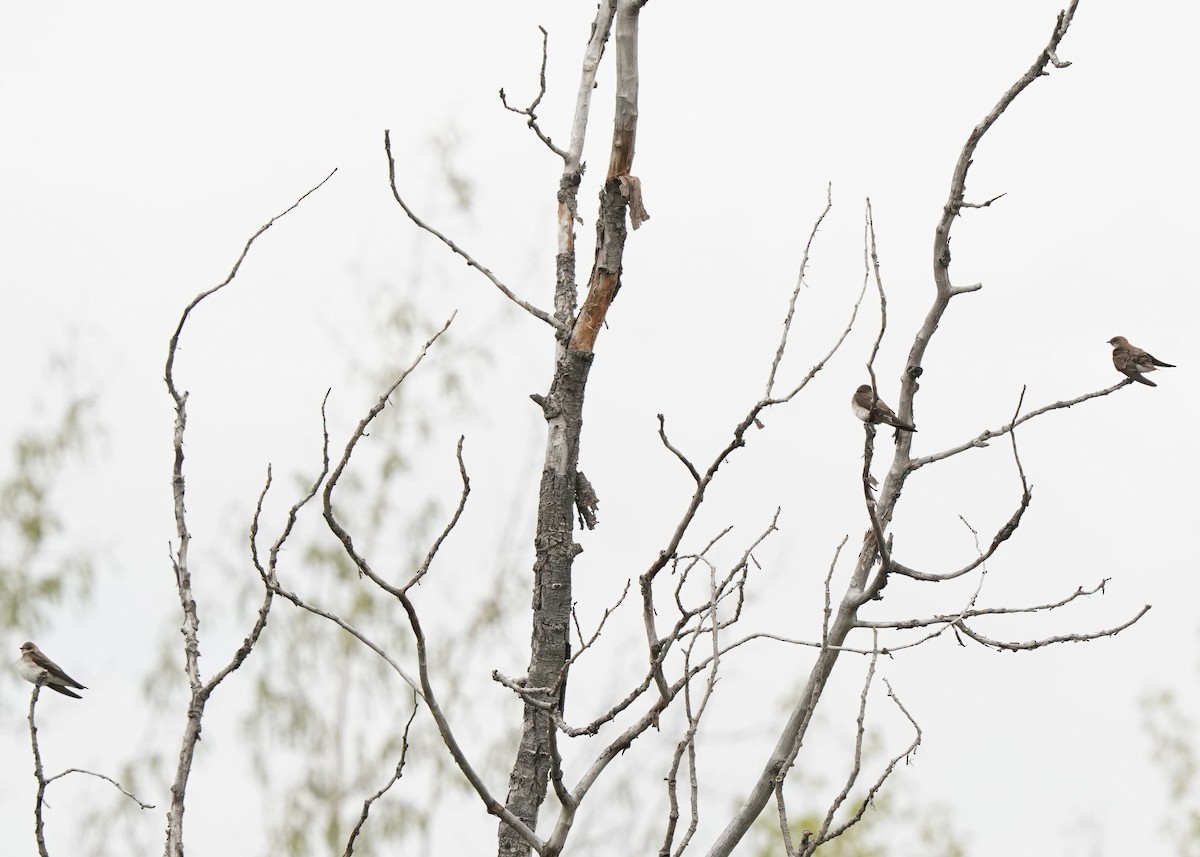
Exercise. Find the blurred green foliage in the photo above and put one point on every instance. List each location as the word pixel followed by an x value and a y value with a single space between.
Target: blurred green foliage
pixel 36 571
pixel 1172 734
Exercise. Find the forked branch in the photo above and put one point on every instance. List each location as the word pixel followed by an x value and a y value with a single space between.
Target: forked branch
pixel 529 112
pixel 845 618
pixel 980 441
pixel 424 683
pixel 199 692
pixel 39 802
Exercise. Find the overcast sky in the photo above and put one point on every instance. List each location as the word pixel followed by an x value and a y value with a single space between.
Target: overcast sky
pixel 143 144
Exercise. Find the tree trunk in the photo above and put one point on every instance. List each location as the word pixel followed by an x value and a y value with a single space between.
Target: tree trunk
pixel 556 550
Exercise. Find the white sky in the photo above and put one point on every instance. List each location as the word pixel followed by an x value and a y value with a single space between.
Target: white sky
pixel 143 144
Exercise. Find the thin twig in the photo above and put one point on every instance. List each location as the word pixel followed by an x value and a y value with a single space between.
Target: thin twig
pixel 662 433
pixel 1003 534
pixel 860 732
pixel 871 261
pixel 366 810
pixel 174 346
pixel 694 712
pixel 791 311
pixel 1030 645
pixel 887 771
pixel 470 260
pixel 141 803
pixel 966 610
pixel 462 504
pixel 981 440
pixel 529 111
pixel 584 645
pixel 359 432
pixel 975 612
pixel 983 204
pixel 828 611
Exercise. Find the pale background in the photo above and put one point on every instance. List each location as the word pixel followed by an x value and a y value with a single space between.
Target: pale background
pixel 142 145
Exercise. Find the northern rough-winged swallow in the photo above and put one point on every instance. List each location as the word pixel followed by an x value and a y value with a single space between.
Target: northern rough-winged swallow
pixel 1133 362
pixel 871 409
pixel 37 668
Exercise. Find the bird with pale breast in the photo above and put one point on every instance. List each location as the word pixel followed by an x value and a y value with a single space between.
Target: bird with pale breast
pixel 36 668
pixel 1134 362
pixel 871 409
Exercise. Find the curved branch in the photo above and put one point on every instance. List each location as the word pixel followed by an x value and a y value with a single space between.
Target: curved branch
pixel 427 694
pixel 954 204
pixel 199 693
pixel 467 257
pixel 980 440
pixel 141 803
pixel 779 400
pixel 362 818
pixel 662 433
pixel 493 806
pixel 359 432
pixel 738 441
pixel 187 311
pixel 462 504
pixel 887 771
pixel 975 612
pixel 1005 532
pixel 1030 645
pixel 529 111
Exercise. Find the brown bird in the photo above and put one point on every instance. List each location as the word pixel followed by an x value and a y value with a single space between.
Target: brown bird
pixel 37 668
pixel 1133 362
pixel 870 409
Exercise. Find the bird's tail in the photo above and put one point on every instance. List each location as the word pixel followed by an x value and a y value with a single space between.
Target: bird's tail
pixel 899 427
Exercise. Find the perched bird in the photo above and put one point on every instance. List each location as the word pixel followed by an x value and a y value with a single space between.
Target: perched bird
pixel 37 668
pixel 871 409
pixel 1133 362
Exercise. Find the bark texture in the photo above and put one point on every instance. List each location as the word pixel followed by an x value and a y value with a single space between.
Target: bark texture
pixel 555 550
pixel 554 542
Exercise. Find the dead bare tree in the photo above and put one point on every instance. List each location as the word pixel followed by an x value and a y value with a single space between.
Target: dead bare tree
pixel 565 493
pixel 690 602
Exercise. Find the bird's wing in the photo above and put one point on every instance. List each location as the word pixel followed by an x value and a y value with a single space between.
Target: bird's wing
pixel 56 671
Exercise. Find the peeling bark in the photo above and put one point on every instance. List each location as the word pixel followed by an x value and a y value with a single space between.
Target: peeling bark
pixel 560 491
